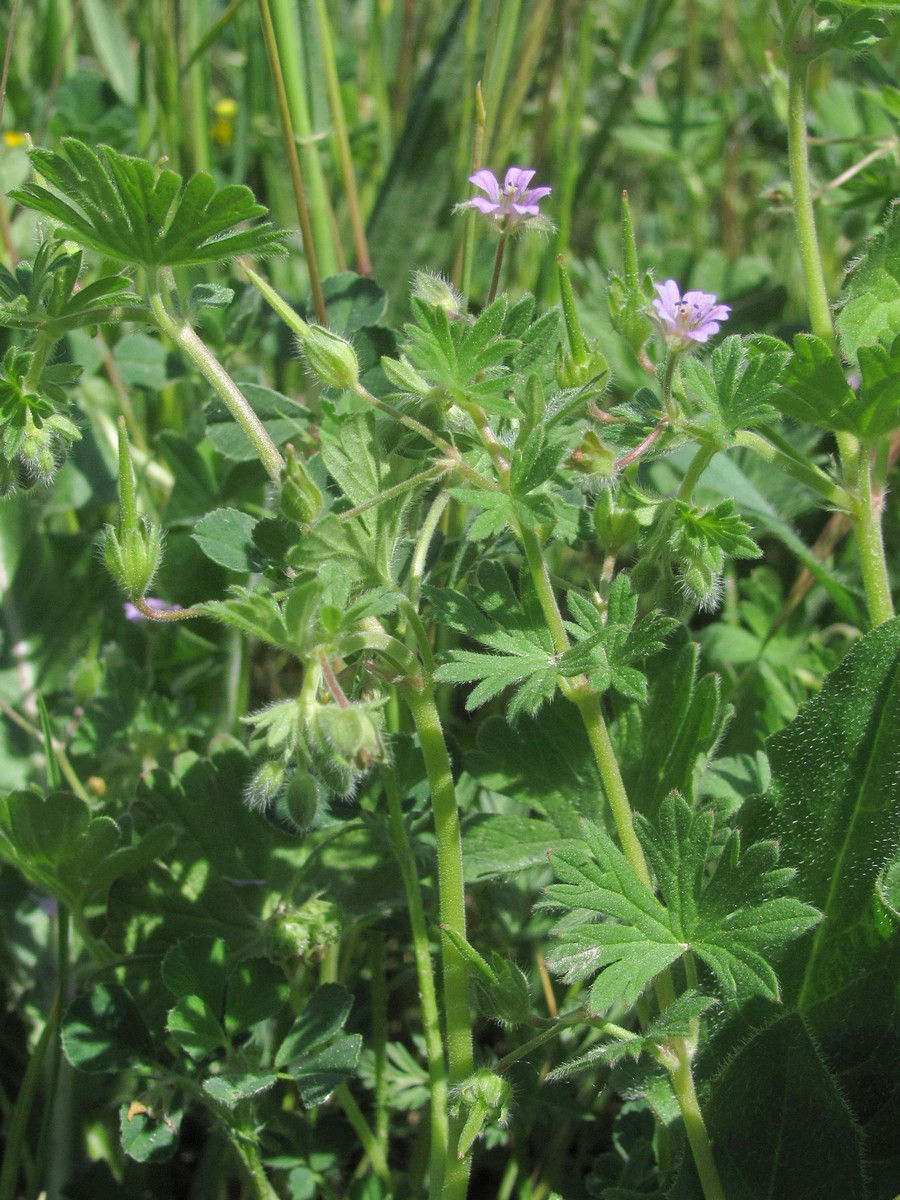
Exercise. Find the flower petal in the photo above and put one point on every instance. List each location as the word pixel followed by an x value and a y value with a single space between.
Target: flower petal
pixel 487 181
pixel 485 206
pixel 517 178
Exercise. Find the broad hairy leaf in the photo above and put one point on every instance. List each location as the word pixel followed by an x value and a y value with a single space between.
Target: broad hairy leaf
pixel 834 806
pixel 780 1124
pixel 135 213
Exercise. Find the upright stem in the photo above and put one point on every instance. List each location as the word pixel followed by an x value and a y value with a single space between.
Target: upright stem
pixel 255 1172
pixel 804 215
pixel 431 1021
pixel 498 263
pixel 694 1125
pixel 451 889
pixel 306 231
pixel 871 547
pixel 213 371
pixel 857 474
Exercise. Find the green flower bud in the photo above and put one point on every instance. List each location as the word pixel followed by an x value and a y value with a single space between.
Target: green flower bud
pixel 487 1097
pixel 86 679
pixel 353 734
pixel 300 499
pixel 302 799
pixel 305 932
pixel 330 356
pixel 615 526
pixel 592 457
pixel 133 556
pixel 436 292
pixel 265 785
pixel 9 478
pixel 645 576
pixel 36 453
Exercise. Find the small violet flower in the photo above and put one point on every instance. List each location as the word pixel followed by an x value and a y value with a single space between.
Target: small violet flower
pixel 693 317
pixel 511 205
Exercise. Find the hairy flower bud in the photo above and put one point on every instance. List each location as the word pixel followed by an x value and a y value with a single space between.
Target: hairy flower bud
pixel 265 785
pixel 329 356
pixel 302 799
pixel 436 292
pixel 300 499
pixel 487 1097
pixel 615 526
pixel 353 734
pixel 305 932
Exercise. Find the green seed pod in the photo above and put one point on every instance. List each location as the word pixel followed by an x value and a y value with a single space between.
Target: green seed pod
pixel 487 1098
pixel 133 556
pixel 330 356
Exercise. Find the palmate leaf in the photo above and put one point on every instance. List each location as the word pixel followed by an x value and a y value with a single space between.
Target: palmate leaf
pixel 737 391
pixel 130 211
pixel 607 651
pixel 728 924
pixel 519 649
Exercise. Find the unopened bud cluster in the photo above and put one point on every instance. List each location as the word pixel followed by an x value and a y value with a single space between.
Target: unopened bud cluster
pixel 34 436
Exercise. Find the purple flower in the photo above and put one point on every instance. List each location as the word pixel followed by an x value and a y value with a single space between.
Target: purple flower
pixel 693 317
pixel 512 204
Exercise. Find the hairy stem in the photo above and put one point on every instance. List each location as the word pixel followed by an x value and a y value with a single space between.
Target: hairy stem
pixel 867 526
pixel 212 370
pixel 694 1125
pixel 451 889
pixel 431 1021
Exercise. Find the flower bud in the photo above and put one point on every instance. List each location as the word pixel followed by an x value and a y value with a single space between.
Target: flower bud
pixel 36 453
pixel 133 556
pixel 487 1097
pixel 265 785
pixel 329 356
pixel 300 499
pixel 615 526
pixel 592 457
pixel 305 932
pixel 353 734
pixel 436 292
pixel 302 799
